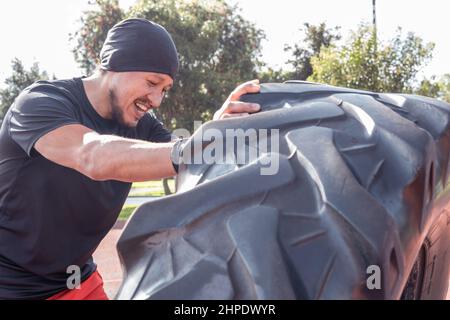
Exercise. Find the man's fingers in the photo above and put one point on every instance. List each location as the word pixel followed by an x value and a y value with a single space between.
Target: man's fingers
pixel 247 87
pixel 242 107
pixel 234 115
pixel 233 105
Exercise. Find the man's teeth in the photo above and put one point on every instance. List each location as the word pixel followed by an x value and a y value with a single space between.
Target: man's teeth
pixel 141 107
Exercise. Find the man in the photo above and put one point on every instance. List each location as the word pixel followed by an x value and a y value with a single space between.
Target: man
pixel 69 150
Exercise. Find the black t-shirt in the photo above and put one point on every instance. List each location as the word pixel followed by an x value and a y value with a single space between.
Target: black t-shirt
pixel 51 216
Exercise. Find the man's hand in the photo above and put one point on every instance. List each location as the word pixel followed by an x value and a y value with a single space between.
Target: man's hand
pixel 235 108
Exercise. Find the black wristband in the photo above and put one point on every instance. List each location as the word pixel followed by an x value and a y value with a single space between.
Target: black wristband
pixel 176 154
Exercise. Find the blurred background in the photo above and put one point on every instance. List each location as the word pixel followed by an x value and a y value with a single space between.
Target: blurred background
pixel 380 45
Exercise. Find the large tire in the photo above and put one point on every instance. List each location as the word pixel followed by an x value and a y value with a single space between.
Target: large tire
pixel 362 181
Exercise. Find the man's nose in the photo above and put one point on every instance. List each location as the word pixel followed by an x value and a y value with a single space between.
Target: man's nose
pixel 155 99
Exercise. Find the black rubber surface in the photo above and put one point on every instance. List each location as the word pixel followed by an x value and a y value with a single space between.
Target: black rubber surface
pixel 362 180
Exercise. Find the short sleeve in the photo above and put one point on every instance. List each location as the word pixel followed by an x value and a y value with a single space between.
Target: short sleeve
pixel 35 113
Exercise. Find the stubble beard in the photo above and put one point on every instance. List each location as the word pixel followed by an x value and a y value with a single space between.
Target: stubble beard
pixel 116 110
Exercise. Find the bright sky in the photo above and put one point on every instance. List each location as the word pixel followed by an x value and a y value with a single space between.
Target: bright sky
pixel 39 30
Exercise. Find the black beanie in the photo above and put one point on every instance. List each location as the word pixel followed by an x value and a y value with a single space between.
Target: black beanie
pixel 139 45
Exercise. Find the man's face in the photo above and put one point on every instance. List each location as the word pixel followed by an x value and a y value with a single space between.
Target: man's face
pixel 132 94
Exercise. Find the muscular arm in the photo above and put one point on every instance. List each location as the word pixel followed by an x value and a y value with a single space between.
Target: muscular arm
pixel 106 157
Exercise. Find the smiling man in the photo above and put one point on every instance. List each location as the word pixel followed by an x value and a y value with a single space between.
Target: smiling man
pixel 69 150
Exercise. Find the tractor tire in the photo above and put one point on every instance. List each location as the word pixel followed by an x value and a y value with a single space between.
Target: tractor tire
pixel 358 209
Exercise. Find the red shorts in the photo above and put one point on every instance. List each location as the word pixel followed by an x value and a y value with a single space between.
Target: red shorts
pixel 90 289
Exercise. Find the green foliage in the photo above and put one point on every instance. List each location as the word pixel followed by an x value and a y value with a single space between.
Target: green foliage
pixel 365 63
pixel 19 80
pixel 92 34
pixel 428 88
pixel 126 211
pixel 444 85
pixel 218 49
pixel 316 38
pixel 433 88
pixel 274 75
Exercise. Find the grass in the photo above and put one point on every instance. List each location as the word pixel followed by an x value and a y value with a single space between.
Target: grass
pixel 144 189
pixel 148 184
pixel 153 193
pixel 150 188
pixel 126 212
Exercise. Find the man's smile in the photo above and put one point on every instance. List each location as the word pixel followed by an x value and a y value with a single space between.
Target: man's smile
pixel 141 107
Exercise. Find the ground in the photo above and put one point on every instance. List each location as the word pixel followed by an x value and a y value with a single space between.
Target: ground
pixel 109 264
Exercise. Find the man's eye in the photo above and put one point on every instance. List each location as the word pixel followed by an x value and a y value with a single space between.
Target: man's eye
pixel 151 84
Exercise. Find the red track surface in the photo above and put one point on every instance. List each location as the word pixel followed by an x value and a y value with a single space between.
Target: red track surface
pixel 108 262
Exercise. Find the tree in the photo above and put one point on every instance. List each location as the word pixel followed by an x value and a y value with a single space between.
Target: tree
pixel 429 88
pixel 444 85
pixel 92 34
pixel 435 87
pixel 359 64
pixel 19 80
pixel 316 37
pixel 274 75
pixel 217 49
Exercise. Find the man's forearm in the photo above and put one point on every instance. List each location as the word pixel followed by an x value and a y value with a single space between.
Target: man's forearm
pixel 115 158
